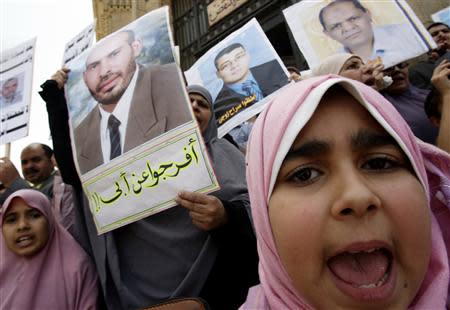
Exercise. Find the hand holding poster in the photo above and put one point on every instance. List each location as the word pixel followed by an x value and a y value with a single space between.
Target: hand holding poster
pixel 239 72
pixel 128 111
pixel 369 29
pixel 15 84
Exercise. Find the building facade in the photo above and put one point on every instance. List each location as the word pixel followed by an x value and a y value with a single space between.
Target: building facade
pixel 198 25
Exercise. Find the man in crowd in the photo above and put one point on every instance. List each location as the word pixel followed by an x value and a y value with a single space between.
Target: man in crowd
pixel 135 103
pixel 437 104
pixel 350 24
pixel 10 95
pixel 409 102
pixel 37 168
pixel 242 83
pixel 420 74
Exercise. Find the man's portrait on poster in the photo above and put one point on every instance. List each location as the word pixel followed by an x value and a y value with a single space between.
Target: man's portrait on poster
pixel 349 23
pixel 135 102
pixel 11 90
pixel 242 83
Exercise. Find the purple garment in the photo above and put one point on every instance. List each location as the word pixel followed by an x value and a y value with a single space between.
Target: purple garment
pixel 410 105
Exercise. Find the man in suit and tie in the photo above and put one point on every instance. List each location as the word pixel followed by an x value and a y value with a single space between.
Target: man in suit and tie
pixel 240 81
pixel 243 84
pixel 135 103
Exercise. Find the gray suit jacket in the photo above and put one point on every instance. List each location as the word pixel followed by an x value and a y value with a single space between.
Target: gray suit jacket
pixel 158 105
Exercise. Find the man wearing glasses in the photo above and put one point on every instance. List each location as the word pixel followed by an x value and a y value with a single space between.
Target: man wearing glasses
pixel 350 24
pixel 242 83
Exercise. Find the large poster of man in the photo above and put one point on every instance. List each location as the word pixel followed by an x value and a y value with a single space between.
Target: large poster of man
pixel 239 72
pixel 15 90
pixel 370 29
pixel 132 126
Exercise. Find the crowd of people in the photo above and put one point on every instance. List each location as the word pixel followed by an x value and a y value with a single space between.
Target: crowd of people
pixel 339 199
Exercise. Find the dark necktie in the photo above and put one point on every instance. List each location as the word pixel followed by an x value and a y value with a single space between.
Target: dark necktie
pixel 251 88
pixel 114 136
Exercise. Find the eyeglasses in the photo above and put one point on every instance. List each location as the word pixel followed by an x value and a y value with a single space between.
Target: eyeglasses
pixel 227 64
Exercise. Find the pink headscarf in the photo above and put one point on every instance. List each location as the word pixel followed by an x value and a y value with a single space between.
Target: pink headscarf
pixel 332 64
pixel 272 137
pixel 60 276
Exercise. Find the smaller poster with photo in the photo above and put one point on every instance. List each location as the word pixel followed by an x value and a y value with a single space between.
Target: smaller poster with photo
pixel 370 29
pixel 240 72
pixel 15 85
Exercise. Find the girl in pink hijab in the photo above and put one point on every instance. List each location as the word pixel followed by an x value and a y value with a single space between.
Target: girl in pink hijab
pixel 350 210
pixel 42 266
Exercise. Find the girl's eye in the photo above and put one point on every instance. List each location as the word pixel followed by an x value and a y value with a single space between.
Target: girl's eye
pixel 10 219
pixel 380 163
pixel 304 176
pixel 35 214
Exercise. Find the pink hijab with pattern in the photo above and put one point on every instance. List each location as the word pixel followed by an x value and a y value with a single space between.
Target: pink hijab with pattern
pixel 60 276
pixel 431 165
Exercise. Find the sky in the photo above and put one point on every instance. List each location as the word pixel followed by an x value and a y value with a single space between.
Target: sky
pixel 54 23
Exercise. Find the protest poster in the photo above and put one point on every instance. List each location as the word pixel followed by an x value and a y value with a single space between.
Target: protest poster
pixel 78 44
pixel 240 72
pixel 371 29
pixel 442 16
pixel 16 76
pixel 135 140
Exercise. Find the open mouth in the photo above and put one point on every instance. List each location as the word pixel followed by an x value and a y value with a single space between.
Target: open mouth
pixel 364 275
pixel 24 241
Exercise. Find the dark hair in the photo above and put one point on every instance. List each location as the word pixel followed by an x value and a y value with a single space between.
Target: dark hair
pixel 356 4
pixel 293 69
pixel 432 103
pixel 47 150
pixel 437 24
pixel 226 50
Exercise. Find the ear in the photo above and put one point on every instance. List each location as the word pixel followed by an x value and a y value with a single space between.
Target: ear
pixel 218 75
pixel 137 47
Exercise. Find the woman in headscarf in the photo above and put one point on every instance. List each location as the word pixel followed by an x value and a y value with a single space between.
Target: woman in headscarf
pixel 352 66
pixel 169 254
pixel 350 210
pixel 42 266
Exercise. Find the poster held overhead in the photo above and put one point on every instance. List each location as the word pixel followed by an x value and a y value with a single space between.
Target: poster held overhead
pixel 16 76
pixel 240 72
pixel 371 29
pixel 136 142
